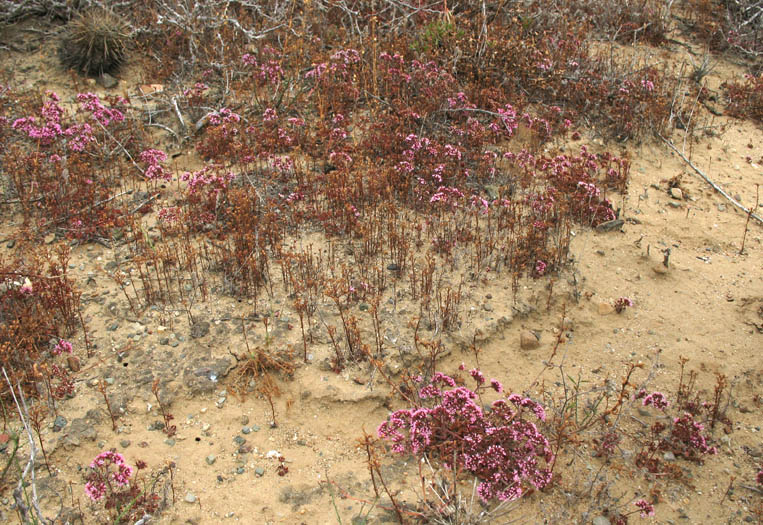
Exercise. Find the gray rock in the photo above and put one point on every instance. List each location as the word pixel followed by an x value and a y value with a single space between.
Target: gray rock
pixel 59 423
pixel 190 497
pixel 601 520
pixel 202 376
pixel 79 430
pixel 95 415
pixel 259 471
pixel 107 81
pixel 211 459
pixel 610 225
pixel 528 340
pixel 156 425
pixel 669 456
pixel 298 497
pixel 199 329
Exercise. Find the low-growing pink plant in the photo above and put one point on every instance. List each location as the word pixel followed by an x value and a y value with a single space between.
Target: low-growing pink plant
pixel 62 347
pixel 621 304
pixel 110 481
pixel 105 477
pixel 501 447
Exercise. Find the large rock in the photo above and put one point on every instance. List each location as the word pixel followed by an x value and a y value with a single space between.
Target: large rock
pixel 107 81
pixel 203 376
pixel 199 329
pixel 528 340
pixel 80 429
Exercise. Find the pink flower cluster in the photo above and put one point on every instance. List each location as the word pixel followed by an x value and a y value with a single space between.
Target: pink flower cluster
pixel 169 215
pixel 155 170
pixel 269 115
pixel 655 399
pixel 63 347
pixel 95 488
pixel 622 303
pixel 500 447
pixel 447 195
pixel 687 434
pixel 90 102
pixel 47 132
pixel 339 65
pixel 266 71
pixel 195 94
pixel 646 508
pixel 207 179
pixel 79 134
pixel 223 116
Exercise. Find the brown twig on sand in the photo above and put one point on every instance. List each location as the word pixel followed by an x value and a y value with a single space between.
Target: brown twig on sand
pixel 711 183
pixel 749 214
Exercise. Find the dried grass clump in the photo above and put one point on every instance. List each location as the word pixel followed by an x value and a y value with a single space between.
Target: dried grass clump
pixel 95 42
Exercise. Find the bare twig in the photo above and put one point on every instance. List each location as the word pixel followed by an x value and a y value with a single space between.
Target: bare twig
pixel 710 182
pixel 749 214
pixel 177 112
pixel 22 409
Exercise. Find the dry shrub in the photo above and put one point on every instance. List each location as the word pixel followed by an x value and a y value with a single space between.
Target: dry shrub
pixel 745 100
pixel 38 304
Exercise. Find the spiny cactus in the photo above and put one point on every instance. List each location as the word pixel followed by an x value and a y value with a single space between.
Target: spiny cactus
pixel 95 42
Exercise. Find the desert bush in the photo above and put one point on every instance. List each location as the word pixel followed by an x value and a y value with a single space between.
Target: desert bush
pixel 39 309
pixel 745 99
pixel 735 25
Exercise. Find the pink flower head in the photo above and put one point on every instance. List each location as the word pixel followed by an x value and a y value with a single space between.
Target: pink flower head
pixel 477 376
pixel 622 303
pixel 155 170
pixel 269 115
pixel 95 490
pixel 656 399
pixel 646 508
pixel 106 458
pixel 62 347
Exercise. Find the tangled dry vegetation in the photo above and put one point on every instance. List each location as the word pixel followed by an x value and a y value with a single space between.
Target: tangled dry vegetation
pixel 353 159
